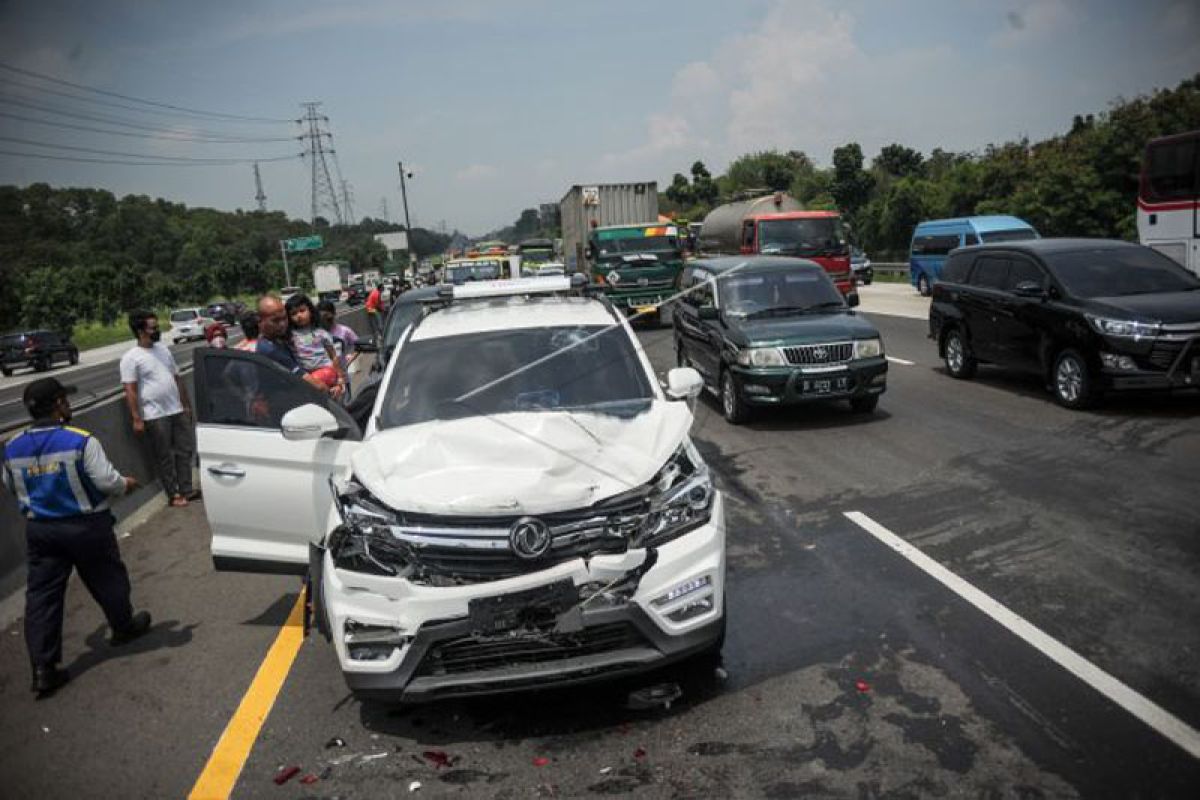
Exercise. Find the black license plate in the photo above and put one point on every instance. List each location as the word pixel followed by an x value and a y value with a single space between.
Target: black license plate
pixel 533 608
pixel 819 386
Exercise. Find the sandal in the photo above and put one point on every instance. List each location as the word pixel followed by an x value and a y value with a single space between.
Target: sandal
pixel 179 501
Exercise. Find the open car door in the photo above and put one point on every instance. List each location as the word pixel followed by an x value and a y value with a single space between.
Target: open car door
pixel 266 489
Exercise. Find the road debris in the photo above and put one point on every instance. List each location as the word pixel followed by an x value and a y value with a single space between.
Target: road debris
pixel 438 758
pixel 540 761
pixel 285 774
pixel 336 741
pixel 640 753
pixel 373 757
pixel 415 786
pixel 605 770
pixel 309 779
pixel 862 686
pixel 661 694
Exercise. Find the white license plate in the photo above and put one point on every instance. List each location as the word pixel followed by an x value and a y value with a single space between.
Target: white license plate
pixel 824 385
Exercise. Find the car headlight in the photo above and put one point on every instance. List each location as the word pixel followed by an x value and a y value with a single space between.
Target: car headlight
pixel 364 541
pixel 761 357
pixel 683 499
pixel 868 348
pixel 1123 328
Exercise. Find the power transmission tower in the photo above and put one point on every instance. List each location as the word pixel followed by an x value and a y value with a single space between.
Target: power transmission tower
pixel 259 195
pixel 347 201
pixel 383 210
pixel 324 195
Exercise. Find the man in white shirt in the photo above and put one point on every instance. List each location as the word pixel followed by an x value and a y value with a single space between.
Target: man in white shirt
pixel 160 407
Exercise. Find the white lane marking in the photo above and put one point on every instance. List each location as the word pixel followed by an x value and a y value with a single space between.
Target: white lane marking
pixel 1141 707
pixel 903 361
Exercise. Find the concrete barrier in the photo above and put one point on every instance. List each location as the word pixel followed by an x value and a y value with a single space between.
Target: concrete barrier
pixel 108 421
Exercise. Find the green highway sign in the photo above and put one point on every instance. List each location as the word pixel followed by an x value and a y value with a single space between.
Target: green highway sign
pixel 302 244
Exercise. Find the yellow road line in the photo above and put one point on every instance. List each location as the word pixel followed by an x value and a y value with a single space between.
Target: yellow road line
pixel 225 764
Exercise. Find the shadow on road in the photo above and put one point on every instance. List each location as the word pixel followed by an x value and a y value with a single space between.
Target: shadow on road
pixel 169 634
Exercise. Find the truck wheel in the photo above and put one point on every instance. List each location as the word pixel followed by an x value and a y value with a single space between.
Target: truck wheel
pixel 666 316
pixel 732 405
pixel 923 285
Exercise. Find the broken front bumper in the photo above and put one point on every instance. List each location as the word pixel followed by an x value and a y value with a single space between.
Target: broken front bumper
pixel 401 641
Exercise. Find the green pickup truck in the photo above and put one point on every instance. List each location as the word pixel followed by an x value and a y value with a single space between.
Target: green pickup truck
pixel 638 267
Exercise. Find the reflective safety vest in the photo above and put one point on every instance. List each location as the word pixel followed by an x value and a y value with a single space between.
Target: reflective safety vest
pixel 48 475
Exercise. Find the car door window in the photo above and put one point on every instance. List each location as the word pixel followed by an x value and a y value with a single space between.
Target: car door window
pixel 970 238
pixel 990 273
pixel 244 389
pixel 702 293
pixel 1024 271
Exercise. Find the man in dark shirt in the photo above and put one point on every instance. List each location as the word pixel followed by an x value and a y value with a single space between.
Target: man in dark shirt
pixel 273 339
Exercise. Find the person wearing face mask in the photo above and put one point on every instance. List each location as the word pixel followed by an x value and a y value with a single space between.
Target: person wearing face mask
pixel 63 482
pixel 159 407
pixel 216 336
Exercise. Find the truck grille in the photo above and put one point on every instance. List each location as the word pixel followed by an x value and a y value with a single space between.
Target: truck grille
pixel 816 354
pixel 480 654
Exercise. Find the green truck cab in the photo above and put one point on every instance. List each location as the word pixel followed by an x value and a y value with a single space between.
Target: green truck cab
pixel 637 266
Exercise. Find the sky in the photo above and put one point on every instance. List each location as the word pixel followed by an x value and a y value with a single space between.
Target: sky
pixel 499 106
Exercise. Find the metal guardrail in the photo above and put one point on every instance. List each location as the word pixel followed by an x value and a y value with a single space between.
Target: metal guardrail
pixel 890 267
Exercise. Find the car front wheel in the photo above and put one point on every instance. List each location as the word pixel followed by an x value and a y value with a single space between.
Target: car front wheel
pixel 732 405
pixel 1072 381
pixel 959 362
pixel 923 285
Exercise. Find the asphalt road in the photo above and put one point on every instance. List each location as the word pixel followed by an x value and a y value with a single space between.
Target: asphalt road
pixel 848 671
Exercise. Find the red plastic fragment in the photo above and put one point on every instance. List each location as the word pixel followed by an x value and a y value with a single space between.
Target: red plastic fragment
pixel 284 775
pixel 640 753
pixel 862 686
pixel 309 779
pixel 540 761
pixel 438 758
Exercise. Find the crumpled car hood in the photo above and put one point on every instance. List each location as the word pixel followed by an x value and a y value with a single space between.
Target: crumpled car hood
pixel 519 463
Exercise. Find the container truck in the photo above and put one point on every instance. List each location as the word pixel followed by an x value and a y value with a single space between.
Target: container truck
pixel 612 234
pixel 777 224
pixel 329 278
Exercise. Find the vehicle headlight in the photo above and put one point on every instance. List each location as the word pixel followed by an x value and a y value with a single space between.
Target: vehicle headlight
pixel 1123 328
pixel 683 500
pixel 364 541
pixel 761 357
pixel 868 348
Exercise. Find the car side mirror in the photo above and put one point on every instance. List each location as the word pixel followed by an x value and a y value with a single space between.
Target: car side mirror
pixel 1029 289
pixel 852 299
pixel 366 345
pixel 684 383
pixel 309 421
pixel 709 312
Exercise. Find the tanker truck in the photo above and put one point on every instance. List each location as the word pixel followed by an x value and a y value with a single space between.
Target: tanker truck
pixel 777 224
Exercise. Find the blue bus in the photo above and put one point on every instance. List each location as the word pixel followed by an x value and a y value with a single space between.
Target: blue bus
pixel 934 238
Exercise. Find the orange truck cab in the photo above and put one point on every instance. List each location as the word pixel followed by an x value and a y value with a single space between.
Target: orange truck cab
pixel 779 225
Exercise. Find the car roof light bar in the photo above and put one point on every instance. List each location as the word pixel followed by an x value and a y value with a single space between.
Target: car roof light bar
pixel 510 287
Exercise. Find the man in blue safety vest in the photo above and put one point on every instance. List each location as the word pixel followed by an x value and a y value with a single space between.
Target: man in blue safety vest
pixel 63 482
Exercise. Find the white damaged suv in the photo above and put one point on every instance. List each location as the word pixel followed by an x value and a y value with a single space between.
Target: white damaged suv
pixel 524 508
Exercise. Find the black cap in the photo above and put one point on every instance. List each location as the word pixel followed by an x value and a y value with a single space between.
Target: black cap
pixel 40 395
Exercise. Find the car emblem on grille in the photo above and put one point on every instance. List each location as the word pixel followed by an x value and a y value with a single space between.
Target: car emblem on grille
pixel 613 277
pixel 820 354
pixel 529 538
pixel 643 281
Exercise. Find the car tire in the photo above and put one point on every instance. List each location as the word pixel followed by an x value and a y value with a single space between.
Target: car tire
pixel 959 361
pixel 733 407
pixel 1072 382
pixel 74 358
pixel 666 316
pixel 175 342
pixel 41 365
pixel 6 372
pixel 923 287
pixel 864 405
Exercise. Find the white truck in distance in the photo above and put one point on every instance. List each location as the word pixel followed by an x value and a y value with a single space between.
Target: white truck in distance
pixel 329 278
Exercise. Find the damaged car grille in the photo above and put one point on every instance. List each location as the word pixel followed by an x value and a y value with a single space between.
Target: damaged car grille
pixel 479 654
pixel 481 548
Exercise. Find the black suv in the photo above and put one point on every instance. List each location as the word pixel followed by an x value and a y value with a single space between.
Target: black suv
pixel 771 331
pixel 1090 315
pixel 37 349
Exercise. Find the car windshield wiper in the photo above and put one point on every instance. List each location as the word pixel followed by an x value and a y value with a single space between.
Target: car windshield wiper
pixel 828 304
pixel 778 310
